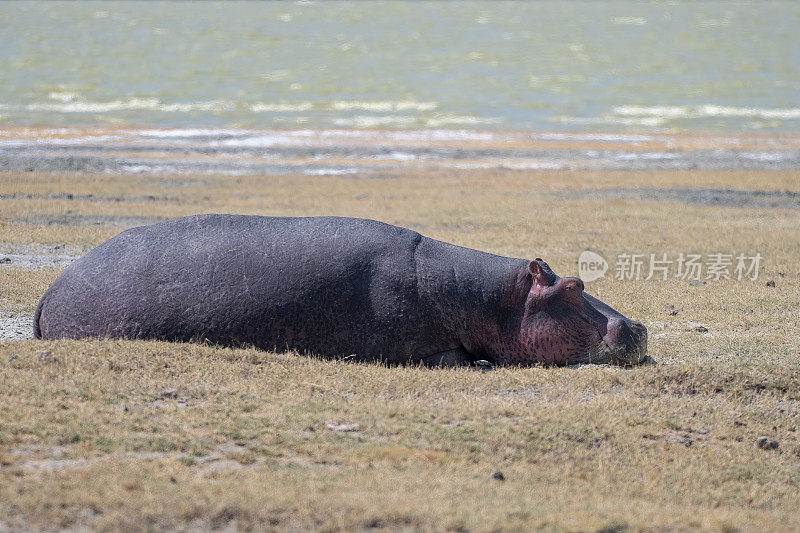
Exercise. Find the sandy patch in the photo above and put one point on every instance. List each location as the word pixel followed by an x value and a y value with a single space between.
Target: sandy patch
pixel 37 257
pixel 16 327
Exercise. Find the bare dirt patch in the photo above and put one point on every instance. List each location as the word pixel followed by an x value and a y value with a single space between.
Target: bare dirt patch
pixel 697 196
pixel 37 257
pixel 16 327
pixel 117 221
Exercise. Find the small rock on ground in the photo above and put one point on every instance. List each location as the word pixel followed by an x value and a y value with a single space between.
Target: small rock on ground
pixel 767 443
pixel 333 426
pixel 483 365
pixel 45 356
pixel 697 326
pixel 675 438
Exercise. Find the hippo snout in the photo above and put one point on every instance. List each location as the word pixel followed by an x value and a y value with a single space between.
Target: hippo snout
pixel 625 341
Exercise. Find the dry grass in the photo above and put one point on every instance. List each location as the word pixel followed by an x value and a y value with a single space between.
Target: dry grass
pixel 147 435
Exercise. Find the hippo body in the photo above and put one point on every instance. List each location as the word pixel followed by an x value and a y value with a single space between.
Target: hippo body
pixel 335 287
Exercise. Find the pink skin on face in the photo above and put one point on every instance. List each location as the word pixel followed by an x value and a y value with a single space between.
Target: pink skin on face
pixel 562 325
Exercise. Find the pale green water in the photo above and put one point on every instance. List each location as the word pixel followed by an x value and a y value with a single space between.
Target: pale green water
pixel 534 65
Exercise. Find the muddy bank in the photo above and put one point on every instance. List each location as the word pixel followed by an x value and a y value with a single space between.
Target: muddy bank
pixel 704 197
pixel 154 165
pixel 354 152
pixel 114 221
pixel 87 197
pixel 362 161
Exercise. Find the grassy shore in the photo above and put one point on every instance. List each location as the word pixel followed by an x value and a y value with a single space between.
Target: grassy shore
pixel 149 435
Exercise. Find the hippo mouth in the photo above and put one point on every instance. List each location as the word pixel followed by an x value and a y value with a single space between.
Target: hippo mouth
pixel 627 354
pixel 631 351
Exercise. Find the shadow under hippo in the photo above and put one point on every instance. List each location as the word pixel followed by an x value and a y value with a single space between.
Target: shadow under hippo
pixel 335 287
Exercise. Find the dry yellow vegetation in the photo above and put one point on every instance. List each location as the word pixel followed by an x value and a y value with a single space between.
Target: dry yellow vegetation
pixel 135 435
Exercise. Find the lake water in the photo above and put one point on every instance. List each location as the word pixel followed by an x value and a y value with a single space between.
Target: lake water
pixel 580 66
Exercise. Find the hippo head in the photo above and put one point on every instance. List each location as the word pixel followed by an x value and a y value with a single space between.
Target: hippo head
pixel 561 324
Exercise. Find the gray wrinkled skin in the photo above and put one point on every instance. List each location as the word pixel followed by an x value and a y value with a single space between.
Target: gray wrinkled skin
pixel 335 287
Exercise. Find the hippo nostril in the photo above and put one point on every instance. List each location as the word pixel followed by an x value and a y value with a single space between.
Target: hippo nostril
pixel 624 331
pixel 580 284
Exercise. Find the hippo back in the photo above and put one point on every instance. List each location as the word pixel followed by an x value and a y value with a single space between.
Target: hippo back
pixel 328 285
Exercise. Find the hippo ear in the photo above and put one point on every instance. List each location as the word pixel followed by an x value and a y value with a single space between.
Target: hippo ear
pixel 541 273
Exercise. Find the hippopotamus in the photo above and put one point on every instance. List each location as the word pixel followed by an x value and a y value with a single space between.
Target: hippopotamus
pixel 334 287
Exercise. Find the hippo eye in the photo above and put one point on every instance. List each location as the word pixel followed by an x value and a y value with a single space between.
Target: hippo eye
pixel 571 290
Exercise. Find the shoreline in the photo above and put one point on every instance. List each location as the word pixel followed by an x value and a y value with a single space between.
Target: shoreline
pixel 375 151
